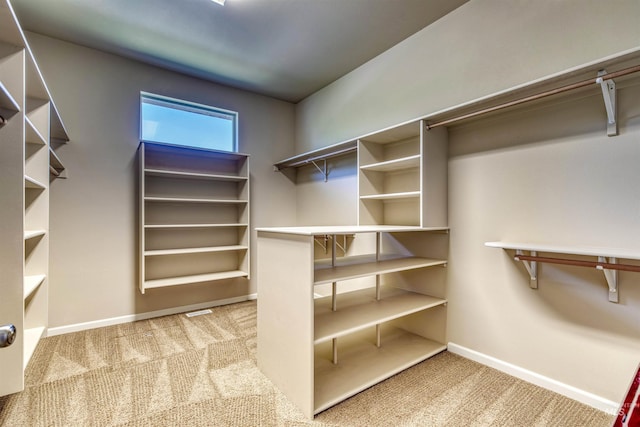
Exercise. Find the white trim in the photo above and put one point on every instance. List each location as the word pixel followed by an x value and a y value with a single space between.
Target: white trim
pixel 59 330
pixel 567 390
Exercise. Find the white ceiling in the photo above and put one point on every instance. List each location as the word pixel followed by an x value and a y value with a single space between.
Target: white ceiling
pixel 286 49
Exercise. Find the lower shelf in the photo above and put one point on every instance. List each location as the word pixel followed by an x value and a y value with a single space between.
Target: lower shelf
pixel 361 364
pixel 198 278
pixel 31 338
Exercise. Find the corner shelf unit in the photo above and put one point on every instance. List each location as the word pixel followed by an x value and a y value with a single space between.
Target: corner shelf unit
pixel 27 127
pixel 402 176
pixel 606 260
pixel 321 351
pixel 194 215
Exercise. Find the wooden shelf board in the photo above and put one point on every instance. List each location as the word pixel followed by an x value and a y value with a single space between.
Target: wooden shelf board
pixel 33 183
pixel 330 151
pixel 409 162
pixel 230 248
pixel 569 250
pixel 201 151
pixel 360 309
pixel 30 234
pixel 361 364
pixel 392 196
pixel 191 200
pixel 327 274
pixel 348 229
pixel 192 175
pixel 154 226
pixel 7 102
pixel 31 283
pixel 198 278
pixel 31 339
pixel 33 135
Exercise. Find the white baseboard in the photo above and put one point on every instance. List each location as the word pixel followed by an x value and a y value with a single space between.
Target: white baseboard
pixel 571 392
pixel 59 330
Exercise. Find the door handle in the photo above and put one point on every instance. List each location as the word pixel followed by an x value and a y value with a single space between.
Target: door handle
pixel 7 335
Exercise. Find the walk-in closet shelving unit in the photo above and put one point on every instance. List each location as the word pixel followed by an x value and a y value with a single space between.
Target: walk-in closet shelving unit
pixel 27 112
pixel 320 351
pixel 194 215
pixel 402 175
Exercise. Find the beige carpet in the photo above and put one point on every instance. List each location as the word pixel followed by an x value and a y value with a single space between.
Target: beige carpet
pixel 201 371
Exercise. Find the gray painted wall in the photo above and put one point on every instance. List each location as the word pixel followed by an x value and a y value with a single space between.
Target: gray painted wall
pixel 542 174
pixel 93 273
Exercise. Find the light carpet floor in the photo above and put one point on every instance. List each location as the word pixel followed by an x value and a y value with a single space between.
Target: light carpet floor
pixel 201 371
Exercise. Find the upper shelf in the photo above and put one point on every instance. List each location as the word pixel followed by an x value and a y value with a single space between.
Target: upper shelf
pixel 569 250
pixel 334 150
pixel 321 230
pixel 194 175
pixel 404 163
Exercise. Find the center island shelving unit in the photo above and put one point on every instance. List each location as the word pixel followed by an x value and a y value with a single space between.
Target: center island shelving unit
pixel 385 312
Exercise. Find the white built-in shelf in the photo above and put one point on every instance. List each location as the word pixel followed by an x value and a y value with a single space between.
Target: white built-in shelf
pixel 31 338
pixel 33 135
pixel 606 260
pixel 198 278
pixel 226 225
pixel 192 200
pixel 230 248
pixel 32 234
pixel 392 196
pixel 7 102
pixel 362 364
pixel 358 310
pixel 33 183
pixel 194 175
pixel 31 283
pixel 321 230
pixel 569 250
pixel 327 274
pixel 403 163
pixel 320 154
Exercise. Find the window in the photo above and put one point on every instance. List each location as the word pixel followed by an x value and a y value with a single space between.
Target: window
pixel 177 122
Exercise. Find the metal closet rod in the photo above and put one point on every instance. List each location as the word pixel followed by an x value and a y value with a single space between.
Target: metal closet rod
pixel 541 95
pixel 593 264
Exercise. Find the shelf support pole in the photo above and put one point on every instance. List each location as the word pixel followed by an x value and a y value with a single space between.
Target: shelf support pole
pixel 334 343
pixel 334 285
pixel 611 276
pixel 609 95
pixel 531 266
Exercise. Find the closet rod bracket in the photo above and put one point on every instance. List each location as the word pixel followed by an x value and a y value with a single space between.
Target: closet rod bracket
pixel 611 276
pixel 609 95
pixel 531 266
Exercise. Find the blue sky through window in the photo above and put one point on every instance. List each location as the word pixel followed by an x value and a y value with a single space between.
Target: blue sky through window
pixel 182 123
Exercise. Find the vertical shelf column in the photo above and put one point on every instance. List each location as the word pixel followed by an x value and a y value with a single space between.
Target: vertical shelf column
pixel 12 188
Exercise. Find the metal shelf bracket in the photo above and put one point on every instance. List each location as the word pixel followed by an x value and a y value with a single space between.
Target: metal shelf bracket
pixel 609 94
pixel 531 266
pixel 611 276
pixel 323 170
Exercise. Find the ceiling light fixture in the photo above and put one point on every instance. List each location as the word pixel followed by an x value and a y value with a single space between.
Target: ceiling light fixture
pixel 220 2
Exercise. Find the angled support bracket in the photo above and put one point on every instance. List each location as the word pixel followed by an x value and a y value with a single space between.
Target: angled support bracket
pixel 323 170
pixel 609 94
pixel 611 276
pixel 531 266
